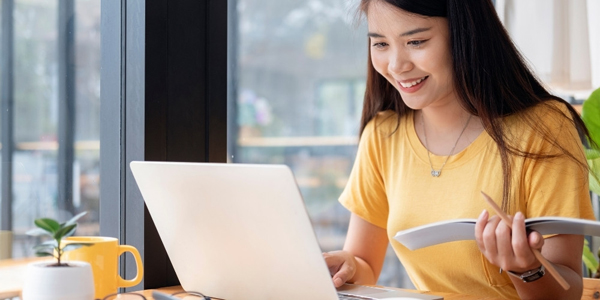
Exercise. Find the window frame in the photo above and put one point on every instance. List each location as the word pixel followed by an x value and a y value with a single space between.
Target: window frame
pixel 7 113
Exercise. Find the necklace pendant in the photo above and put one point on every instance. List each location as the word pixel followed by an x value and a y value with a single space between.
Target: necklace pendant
pixel 435 173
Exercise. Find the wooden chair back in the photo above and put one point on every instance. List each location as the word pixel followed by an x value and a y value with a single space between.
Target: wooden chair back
pixel 591 289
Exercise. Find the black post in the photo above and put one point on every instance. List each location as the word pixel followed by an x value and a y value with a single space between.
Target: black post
pixel 7 114
pixel 232 79
pixel 164 98
pixel 185 98
pixel 66 106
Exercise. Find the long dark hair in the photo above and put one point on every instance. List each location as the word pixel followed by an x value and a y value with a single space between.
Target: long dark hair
pixel 490 78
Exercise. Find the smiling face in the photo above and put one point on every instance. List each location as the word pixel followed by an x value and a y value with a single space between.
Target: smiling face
pixel 413 53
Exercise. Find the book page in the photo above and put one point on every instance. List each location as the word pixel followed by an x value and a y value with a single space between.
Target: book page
pixel 436 233
pixel 464 229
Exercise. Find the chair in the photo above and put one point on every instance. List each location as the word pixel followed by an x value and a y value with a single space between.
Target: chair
pixel 591 288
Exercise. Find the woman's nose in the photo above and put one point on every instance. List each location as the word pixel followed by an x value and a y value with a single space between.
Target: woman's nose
pixel 399 63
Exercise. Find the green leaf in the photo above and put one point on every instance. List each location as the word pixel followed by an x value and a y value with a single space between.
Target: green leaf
pixel 72 232
pixel 73 246
pixel 592 154
pixel 590 111
pixel 38 232
pixel 589 259
pixel 593 158
pixel 594 184
pixel 63 231
pixel 44 253
pixel 47 224
pixel 47 244
pixel 75 218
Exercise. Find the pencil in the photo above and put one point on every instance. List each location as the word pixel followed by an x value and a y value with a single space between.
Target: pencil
pixel 565 285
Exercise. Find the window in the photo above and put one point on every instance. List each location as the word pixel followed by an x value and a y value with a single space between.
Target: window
pixel 53 87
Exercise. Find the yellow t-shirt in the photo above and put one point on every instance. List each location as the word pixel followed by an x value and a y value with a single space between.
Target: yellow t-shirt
pixel 391 187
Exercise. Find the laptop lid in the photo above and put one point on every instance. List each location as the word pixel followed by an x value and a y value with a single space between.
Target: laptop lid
pixel 239 231
pixel 235 231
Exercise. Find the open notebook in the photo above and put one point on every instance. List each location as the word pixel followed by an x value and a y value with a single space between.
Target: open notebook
pixel 240 232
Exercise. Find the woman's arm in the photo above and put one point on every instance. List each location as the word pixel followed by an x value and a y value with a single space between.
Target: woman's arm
pixel 363 255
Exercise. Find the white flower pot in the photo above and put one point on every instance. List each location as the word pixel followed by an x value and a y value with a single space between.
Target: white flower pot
pixel 44 282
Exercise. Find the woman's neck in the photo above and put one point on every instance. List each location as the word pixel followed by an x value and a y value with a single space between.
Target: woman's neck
pixel 442 125
pixel 443 119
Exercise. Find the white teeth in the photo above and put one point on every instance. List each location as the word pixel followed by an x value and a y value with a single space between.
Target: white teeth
pixel 410 84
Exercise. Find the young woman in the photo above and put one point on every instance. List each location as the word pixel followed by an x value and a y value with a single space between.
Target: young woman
pixel 452 110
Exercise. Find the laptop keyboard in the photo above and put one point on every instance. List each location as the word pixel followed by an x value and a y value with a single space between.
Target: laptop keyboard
pixel 344 296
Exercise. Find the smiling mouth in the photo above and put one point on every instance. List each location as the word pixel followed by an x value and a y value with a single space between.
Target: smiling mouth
pixel 411 84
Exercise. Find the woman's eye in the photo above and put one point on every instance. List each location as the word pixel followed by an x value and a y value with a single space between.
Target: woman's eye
pixel 417 43
pixel 379 45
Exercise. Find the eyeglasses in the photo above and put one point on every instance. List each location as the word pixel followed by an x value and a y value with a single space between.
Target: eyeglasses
pixel 161 296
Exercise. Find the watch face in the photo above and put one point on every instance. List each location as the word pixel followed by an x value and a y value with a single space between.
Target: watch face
pixel 533 277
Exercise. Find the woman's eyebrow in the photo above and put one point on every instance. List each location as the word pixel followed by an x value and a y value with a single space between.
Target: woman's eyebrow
pixel 415 31
pixel 374 35
pixel 410 32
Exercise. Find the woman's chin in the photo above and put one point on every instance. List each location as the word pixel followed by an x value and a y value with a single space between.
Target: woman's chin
pixel 413 103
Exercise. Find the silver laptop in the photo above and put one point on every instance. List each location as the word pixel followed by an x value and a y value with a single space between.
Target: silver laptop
pixel 241 232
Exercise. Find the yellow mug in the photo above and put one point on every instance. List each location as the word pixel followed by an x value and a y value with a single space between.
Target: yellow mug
pixel 103 256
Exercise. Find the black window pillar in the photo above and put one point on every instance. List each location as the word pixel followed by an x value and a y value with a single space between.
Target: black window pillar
pixel 7 113
pixel 66 104
pixel 164 84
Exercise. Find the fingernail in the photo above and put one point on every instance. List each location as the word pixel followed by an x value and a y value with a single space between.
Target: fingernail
pixel 337 281
pixel 537 239
pixel 519 215
pixel 482 214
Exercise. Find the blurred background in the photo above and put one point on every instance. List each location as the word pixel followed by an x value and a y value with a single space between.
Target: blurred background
pixel 298 73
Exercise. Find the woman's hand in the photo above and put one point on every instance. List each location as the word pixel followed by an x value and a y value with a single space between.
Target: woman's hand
pixel 506 248
pixel 342 266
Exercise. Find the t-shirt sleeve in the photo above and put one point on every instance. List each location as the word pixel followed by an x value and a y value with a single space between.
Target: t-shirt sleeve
pixel 559 186
pixel 364 194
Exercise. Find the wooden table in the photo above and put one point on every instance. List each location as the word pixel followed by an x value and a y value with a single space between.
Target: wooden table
pixel 12 274
pixel 591 291
pixel 447 296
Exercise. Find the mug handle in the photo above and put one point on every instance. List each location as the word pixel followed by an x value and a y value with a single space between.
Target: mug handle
pixel 138 262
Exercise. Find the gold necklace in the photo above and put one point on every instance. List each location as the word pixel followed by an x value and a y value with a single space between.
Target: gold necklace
pixel 434 172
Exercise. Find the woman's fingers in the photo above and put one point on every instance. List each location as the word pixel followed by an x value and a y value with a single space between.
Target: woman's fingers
pixel 333 261
pixel 506 247
pixel 479 227
pixel 524 258
pixel 519 240
pixel 504 243
pixel 536 240
pixel 489 237
pixel 341 266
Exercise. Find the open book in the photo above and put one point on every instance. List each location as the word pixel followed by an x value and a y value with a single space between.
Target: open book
pixel 464 229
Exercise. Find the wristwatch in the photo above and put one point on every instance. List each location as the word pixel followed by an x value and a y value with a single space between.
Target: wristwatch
pixel 531 275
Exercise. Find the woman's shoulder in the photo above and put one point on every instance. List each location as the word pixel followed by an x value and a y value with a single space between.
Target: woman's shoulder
pixel 552 108
pixel 549 121
pixel 552 114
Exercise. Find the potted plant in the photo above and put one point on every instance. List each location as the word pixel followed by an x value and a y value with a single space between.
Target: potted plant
pixel 55 279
